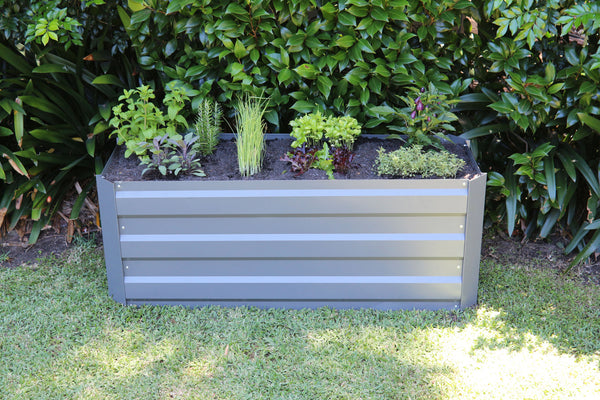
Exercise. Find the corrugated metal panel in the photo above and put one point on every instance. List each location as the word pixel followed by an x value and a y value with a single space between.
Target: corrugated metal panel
pixel 286 266
pixel 258 224
pixel 292 245
pixel 420 201
pixel 294 288
pixel 386 244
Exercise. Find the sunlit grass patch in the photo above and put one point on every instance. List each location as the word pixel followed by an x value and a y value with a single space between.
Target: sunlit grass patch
pixel 533 335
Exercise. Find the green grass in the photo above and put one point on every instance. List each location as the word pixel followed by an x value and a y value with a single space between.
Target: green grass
pixel 535 335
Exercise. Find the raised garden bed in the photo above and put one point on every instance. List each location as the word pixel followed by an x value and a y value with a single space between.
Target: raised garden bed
pixel 380 243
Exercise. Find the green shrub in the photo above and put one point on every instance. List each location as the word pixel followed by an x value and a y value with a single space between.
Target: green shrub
pixel 412 161
pixel 306 55
pixel 67 64
pixel 534 116
pixel 46 139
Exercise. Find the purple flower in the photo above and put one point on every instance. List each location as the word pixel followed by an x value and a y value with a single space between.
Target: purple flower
pixel 422 90
pixel 413 114
pixel 420 106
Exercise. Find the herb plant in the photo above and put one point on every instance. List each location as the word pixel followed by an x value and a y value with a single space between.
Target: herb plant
pixel 412 160
pixel 208 125
pixel 250 128
pixel 141 121
pixel 425 119
pixel 173 156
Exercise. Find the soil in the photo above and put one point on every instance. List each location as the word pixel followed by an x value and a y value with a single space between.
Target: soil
pixel 223 164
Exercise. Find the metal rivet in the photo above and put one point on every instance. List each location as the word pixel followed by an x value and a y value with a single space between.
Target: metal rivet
pixel 464 183
pixel 118 186
pixel 461 226
pixel 127 267
pixel 123 227
pixel 458 267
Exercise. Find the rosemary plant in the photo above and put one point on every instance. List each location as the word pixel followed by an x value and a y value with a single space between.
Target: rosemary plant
pixel 208 125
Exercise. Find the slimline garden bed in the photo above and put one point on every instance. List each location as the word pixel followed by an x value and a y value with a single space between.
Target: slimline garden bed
pixel 381 243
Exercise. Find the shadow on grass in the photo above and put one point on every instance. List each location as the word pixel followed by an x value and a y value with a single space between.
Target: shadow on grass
pixel 64 337
pixel 525 304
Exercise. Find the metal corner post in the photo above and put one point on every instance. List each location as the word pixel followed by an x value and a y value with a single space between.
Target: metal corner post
pixel 473 233
pixel 110 235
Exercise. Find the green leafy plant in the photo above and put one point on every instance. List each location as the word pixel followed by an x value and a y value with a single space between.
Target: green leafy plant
pixel 208 125
pixel 312 131
pixel 250 128
pixel 174 156
pixel 341 132
pixel 413 160
pixel 425 119
pixel 534 118
pixel 308 130
pixel 46 143
pixel 141 121
pixel 55 25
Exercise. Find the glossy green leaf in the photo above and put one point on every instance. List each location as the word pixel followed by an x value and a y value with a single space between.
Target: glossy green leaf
pixel 307 71
pixel 592 246
pixel 14 59
pixel 585 170
pixel 549 223
pixel 590 121
pixel 303 107
pixel 550 175
pixel 324 85
pixel 345 41
pixel 107 79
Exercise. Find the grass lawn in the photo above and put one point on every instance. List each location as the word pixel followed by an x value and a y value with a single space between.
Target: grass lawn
pixel 534 335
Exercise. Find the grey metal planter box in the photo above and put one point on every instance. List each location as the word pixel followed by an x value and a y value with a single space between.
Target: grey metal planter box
pixel 385 244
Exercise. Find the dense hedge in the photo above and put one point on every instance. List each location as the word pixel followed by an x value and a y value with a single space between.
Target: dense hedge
pixel 339 56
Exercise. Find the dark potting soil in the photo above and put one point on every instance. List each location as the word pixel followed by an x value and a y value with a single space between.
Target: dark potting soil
pixel 223 164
